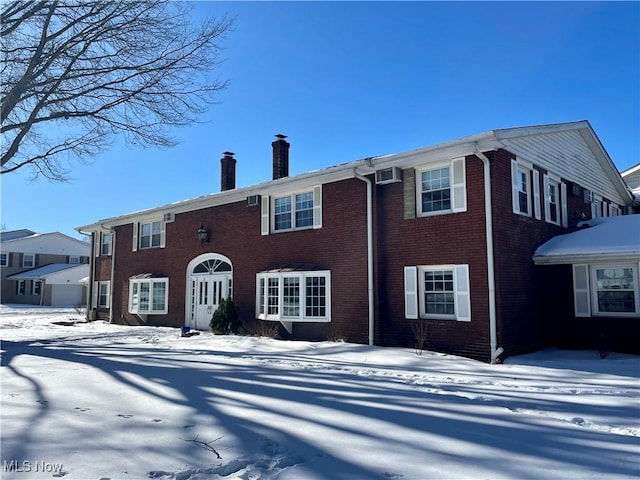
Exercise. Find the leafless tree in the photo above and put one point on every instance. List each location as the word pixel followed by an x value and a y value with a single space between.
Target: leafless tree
pixel 77 74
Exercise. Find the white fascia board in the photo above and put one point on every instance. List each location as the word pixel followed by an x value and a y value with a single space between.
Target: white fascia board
pixel 594 143
pixel 630 170
pixel 519 132
pixel 286 184
pixel 445 151
pixel 603 257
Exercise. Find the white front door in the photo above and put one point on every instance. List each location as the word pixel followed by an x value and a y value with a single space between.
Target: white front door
pixel 206 293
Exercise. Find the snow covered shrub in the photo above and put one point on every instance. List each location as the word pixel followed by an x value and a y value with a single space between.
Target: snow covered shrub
pixel 225 318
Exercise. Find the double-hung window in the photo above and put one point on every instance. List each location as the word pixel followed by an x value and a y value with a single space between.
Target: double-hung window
pixel 606 290
pixel 149 296
pixel 105 243
pixel 615 289
pixel 149 234
pixel 525 182
pixel 294 211
pixel 440 188
pixel 36 287
pixel 28 260
pixel 103 294
pixel 4 259
pixel 21 287
pixel 437 292
pixel 294 296
pixel 555 200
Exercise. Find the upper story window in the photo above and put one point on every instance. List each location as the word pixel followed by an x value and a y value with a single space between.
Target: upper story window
pixel 521 175
pixel 440 188
pixel 105 243
pixel 149 235
pixel 295 211
pixel 28 260
pixel 555 200
pixel 4 259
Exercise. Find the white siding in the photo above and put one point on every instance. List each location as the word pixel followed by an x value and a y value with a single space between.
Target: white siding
pixel 566 154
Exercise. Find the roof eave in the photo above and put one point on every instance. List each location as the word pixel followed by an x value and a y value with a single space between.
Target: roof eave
pixel 593 257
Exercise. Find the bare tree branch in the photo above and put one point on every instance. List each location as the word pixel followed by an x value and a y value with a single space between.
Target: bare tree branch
pixel 76 75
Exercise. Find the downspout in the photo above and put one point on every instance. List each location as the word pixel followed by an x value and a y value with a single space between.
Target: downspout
pixel 493 336
pixel 113 266
pixel 370 289
pixel 92 273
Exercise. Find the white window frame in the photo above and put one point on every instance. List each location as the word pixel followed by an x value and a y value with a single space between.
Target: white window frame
pixel 268 214
pixel 520 168
pixel 596 206
pixel 457 186
pixel 595 306
pixel 552 199
pixel 36 291
pixel 293 211
pixel 21 287
pixel 30 264
pixel 4 259
pixel 135 286
pixel 271 305
pixel 137 234
pixel 415 303
pixel 105 246
pixel 103 292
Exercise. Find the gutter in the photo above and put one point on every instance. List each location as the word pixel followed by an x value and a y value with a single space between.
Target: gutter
pixel 370 289
pixel 495 351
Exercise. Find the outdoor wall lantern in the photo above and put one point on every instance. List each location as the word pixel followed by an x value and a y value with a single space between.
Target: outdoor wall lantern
pixel 203 234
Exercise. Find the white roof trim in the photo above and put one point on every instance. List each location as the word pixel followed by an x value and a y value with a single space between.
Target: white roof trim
pixel 483 142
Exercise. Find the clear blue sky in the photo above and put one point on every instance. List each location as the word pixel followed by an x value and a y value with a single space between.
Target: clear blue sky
pixel 351 80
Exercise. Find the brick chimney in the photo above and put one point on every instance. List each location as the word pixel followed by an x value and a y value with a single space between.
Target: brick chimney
pixel 280 157
pixel 228 172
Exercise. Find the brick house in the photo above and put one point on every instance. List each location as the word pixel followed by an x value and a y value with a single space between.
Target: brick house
pixel 367 250
pixel 42 269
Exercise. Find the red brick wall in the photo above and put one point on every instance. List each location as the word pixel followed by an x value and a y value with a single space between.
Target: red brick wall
pixel 457 238
pixel 340 245
pixel 516 237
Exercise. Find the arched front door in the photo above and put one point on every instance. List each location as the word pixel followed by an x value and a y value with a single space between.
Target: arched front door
pixel 209 280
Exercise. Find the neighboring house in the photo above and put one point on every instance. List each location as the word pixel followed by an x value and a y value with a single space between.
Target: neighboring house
pixel 589 284
pixel 632 177
pixel 42 269
pixel 368 250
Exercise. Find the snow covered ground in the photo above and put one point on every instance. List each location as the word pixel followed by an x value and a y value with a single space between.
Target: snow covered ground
pixel 99 401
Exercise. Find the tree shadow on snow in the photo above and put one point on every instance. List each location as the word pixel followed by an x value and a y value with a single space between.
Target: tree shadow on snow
pixel 261 404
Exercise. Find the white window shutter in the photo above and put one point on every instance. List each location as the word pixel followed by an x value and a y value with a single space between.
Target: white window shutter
pixel 317 206
pixel 463 293
pixel 264 215
pixel 581 297
pixel 97 239
pixel 411 292
pixel 547 205
pixel 163 233
pixel 108 292
pixel 458 190
pixel 514 187
pixel 94 295
pixel 536 194
pixel 563 204
pixel 135 236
